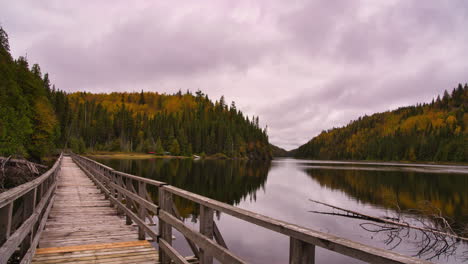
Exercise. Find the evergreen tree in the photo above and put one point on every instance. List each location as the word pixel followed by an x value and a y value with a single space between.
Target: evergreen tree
pixel 159 149
pixel 175 148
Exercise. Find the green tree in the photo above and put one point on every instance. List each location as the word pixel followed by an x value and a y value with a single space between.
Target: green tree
pixel 159 148
pixel 175 148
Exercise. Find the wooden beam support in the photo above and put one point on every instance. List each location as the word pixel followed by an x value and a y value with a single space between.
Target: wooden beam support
pixel 128 183
pixel 141 211
pixel 206 229
pixel 6 219
pixel 165 229
pixel 208 245
pixel 301 252
pixel 171 252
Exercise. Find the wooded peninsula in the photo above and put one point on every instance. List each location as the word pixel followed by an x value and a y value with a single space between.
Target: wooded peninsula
pixel 36 119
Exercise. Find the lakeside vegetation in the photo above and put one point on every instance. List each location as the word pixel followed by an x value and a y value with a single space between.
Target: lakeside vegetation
pixel 36 119
pixel 430 132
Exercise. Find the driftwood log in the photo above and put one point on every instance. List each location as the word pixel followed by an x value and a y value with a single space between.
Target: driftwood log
pixel 351 213
pixel 21 161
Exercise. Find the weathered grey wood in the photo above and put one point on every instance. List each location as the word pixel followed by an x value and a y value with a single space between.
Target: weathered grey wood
pixel 32 249
pixel 11 195
pixel 141 211
pixel 171 252
pixel 6 218
pixel 192 245
pixel 301 252
pixel 208 245
pixel 343 246
pixel 165 229
pixel 29 204
pixel 140 201
pixel 9 247
pixel 303 239
pixel 143 227
pixel 206 229
pixel 218 237
pixel 128 199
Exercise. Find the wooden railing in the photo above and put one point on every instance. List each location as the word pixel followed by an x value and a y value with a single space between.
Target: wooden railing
pixel 129 194
pixel 23 214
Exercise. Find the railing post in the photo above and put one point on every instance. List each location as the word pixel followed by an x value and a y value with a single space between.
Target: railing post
pixel 119 182
pixel 112 190
pixel 301 252
pixel 6 217
pixel 141 210
pixel 165 229
pixel 29 204
pixel 128 184
pixel 206 229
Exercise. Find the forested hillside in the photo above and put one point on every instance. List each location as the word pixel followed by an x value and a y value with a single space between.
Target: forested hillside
pixel 436 131
pixel 28 124
pixel 182 124
pixel 36 119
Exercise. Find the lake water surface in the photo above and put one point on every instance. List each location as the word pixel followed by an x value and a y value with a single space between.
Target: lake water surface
pixel 283 188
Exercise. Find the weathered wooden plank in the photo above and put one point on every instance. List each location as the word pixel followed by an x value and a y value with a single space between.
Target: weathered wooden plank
pixel 9 247
pixel 32 249
pixel 218 236
pixel 138 199
pixel 141 212
pixel 192 245
pixel 206 229
pixel 6 218
pixel 140 221
pixel 343 246
pixel 13 194
pixel 171 252
pixel 92 247
pixel 208 245
pixel 301 252
pixel 303 239
pixel 165 229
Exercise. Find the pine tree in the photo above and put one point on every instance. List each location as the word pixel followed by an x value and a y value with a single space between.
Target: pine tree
pixel 158 148
pixel 175 148
pixel 142 98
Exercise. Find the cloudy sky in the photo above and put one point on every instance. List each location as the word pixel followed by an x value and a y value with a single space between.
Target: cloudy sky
pixel 302 66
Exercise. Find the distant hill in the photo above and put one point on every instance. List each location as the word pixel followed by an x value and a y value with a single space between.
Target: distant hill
pixel 279 152
pixel 435 131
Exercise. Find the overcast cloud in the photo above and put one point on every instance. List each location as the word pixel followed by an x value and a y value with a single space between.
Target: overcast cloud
pixel 301 66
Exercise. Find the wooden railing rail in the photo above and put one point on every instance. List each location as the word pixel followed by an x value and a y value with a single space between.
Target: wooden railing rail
pixel 23 213
pixel 207 243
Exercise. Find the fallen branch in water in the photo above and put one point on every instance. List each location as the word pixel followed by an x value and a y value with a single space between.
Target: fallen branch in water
pixel 432 242
pixel 354 214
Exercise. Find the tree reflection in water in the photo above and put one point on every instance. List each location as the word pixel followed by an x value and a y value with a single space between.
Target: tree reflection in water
pixel 228 181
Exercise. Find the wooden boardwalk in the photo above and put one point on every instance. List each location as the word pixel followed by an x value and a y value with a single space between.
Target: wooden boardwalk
pixel 69 215
pixel 83 226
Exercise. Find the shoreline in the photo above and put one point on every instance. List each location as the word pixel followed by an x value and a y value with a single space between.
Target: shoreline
pixel 136 155
pixel 374 162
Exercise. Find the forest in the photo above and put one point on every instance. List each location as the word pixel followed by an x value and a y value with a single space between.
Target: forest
pixel 432 132
pixel 37 119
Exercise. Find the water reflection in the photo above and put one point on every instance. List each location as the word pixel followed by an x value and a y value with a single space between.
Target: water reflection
pixel 223 180
pixel 283 188
pixel 406 190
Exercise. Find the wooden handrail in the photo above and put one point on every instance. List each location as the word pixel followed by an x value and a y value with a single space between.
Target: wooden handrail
pixel 302 240
pixel 36 199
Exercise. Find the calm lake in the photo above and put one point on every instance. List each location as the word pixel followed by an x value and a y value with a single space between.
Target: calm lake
pixel 283 188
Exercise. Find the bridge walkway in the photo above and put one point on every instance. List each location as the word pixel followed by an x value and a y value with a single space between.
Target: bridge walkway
pixel 83 226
